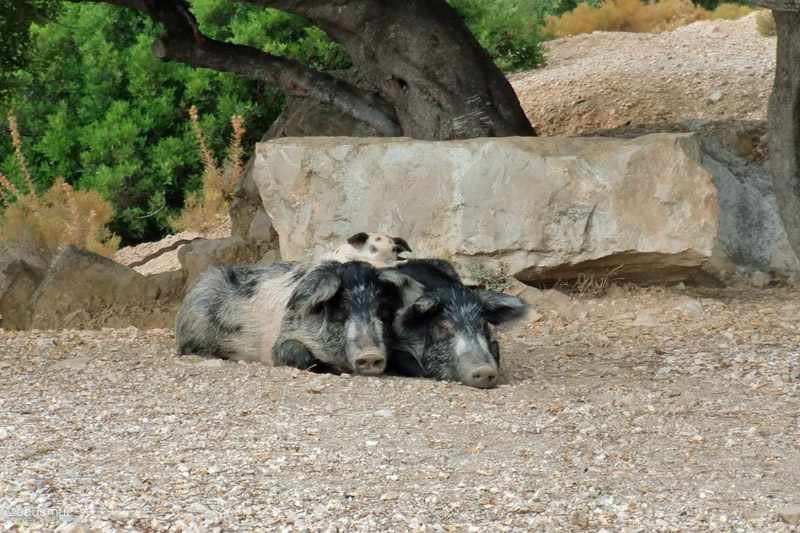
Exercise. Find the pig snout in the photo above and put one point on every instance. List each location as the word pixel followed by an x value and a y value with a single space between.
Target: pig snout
pixel 369 362
pixel 368 356
pixel 483 377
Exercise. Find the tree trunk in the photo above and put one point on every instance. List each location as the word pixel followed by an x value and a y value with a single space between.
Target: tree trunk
pixel 423 59
pixel 784 124
pixel 426 76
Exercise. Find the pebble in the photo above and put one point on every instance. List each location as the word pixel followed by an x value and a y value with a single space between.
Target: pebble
pixel 645 319
pixel 152 442
pixel 760 279
pixel 790 515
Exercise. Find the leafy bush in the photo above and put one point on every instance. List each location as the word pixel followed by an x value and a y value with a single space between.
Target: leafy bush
pixel 508 29
pixel 635 16
pixel 99 109
pixel 15 19
pixel 43 225
pixel 96 107
pixel 205 208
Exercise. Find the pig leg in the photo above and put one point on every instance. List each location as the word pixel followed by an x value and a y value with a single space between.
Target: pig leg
pixel 293 353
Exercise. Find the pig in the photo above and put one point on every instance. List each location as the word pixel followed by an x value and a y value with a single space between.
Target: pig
pixel 378 249
pixel 330 317
pixel 449 332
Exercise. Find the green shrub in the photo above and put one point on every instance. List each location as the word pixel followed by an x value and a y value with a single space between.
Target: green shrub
pixel 508 29
pixel 99 109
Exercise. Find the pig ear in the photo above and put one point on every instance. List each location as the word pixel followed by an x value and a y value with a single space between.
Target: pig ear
pixel 358 240
pixel 402 244
pixel 418 311
pixel 316 287
pixel 500 308
pixel 410 289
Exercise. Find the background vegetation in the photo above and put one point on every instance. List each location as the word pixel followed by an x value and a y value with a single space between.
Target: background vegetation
pixel 96 108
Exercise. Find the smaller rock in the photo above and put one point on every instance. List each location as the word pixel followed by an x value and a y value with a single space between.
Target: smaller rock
pixel 270 256
pixel 535 316
pixel 716 96
pixel 45 342
pixel 760 279
pixel 261 230
pixel 199 508
pixel 690 307
pixel 201 253
pixel 526 292
pixel 790 515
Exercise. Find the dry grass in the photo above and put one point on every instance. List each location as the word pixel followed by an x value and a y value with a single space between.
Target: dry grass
pixel 489 279
pixel 203 211
pixel 636 16
pixel 765 23
pixel 43 226
pixel 591 285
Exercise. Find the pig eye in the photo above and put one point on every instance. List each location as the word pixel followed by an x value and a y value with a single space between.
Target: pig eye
pixel 373 249
pixel 444 329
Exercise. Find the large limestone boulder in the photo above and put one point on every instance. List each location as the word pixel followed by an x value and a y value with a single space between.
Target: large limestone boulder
pixel 542 208
pixel 300 118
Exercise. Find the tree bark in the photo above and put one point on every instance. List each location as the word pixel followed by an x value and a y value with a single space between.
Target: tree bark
pixel 426 75
pixel 421 57
pixel 784 124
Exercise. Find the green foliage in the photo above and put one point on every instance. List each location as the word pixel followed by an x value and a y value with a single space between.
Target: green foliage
pixel 95 106
pixel 508 29
pixel 16 17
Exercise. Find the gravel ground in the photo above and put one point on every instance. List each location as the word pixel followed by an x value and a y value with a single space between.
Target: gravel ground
pixel 711 70
pixel 642 410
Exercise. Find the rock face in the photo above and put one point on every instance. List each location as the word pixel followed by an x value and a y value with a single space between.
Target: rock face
pixel 302 117
pixel 751 232
pixel 542 208
pixel 19 282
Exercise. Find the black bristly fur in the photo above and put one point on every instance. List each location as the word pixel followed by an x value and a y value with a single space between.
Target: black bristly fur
pixel 425 329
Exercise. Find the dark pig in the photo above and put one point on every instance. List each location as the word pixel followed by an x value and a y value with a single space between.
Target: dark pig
pixel 448 333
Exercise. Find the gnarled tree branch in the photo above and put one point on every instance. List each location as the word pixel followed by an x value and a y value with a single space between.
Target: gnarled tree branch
pixel 420 56
pixel 283 73
pixel 184 43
